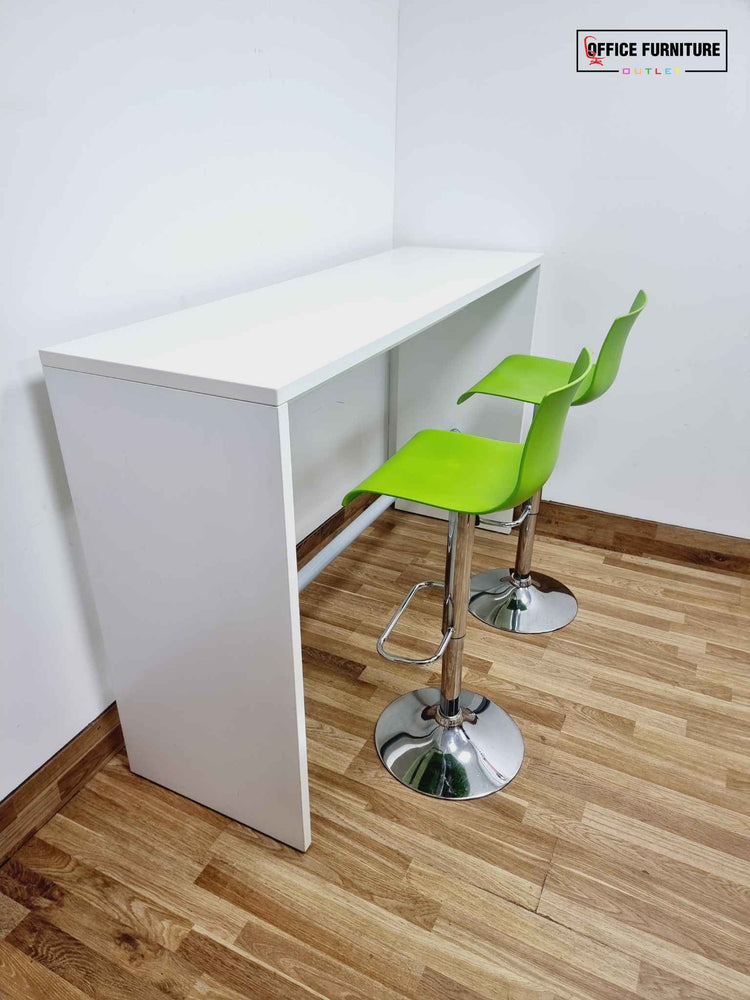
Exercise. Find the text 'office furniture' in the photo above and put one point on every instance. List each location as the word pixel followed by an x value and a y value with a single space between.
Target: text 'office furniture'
pixel 453 743
pixel 520 599
pixel 182 441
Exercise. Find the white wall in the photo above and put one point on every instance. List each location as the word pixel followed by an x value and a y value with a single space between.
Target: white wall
pixel 162 154
pixel 623 182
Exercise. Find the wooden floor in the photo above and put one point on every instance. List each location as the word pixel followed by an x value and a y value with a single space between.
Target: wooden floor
pixel 617 865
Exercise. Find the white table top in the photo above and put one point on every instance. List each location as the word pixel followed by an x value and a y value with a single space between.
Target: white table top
pixel 272 344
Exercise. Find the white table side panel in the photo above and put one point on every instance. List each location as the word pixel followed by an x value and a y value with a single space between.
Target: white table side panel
pixel 184 503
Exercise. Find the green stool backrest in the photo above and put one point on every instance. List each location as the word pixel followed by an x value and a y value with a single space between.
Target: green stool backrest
pixel 542 444
pixel 608 363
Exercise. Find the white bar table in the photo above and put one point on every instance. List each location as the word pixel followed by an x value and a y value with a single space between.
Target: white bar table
pixel 175 437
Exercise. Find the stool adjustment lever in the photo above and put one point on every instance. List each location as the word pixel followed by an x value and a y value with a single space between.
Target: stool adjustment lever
pixel 447 635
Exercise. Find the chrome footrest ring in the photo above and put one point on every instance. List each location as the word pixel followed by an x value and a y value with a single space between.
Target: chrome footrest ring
pixel 447 635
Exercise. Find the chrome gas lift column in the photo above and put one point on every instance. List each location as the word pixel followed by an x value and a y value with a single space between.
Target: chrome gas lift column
pixel 448 743
pixel 519 600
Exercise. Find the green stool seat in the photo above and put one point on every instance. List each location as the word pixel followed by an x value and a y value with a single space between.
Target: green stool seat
pixel 529 377
pixel 474 475
pixel 519 600
pixel 451 743
pixel 471 475
pixel 525 377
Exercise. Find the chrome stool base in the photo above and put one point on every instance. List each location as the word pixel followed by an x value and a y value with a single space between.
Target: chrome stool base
pixel 541 605
pixel 468 760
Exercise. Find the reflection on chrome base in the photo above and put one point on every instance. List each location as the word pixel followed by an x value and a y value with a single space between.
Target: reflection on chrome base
pixel 531 606
pixel 468 760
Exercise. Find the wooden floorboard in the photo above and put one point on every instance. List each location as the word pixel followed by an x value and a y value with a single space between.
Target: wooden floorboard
pixel 616 866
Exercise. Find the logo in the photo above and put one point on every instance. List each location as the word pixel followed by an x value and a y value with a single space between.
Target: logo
pixel 649 52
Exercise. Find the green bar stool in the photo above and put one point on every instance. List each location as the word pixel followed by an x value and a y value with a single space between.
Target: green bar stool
pixel 451 743
pixel 517 599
